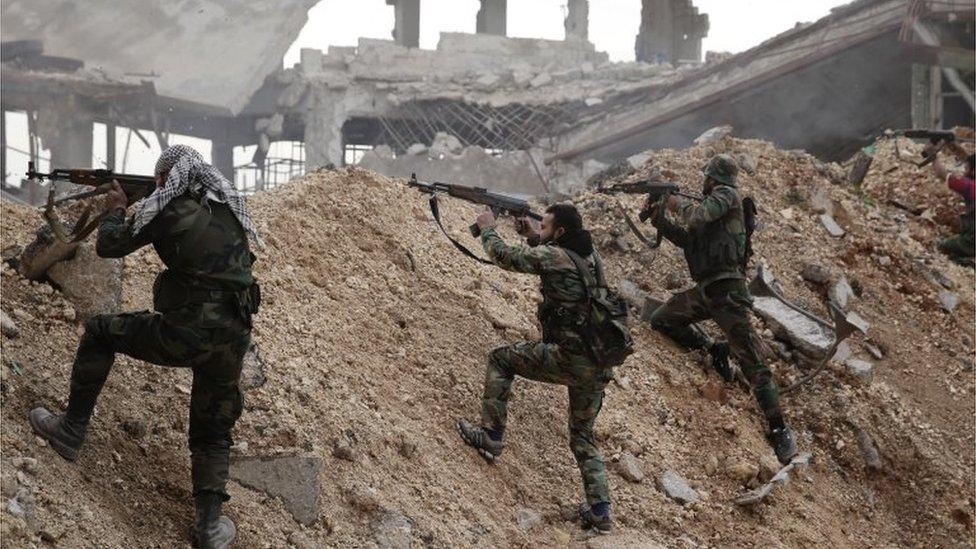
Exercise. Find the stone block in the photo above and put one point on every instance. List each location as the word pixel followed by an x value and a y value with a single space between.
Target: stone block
pixel 292 479
pixel 93 284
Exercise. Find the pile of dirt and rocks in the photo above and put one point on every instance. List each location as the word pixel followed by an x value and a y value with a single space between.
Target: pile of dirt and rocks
pixel 372 340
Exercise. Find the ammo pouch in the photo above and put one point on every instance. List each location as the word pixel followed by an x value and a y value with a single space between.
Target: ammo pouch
pixel 170 293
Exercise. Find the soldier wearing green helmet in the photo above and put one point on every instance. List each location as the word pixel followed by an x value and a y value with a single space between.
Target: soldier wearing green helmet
pixel 713 236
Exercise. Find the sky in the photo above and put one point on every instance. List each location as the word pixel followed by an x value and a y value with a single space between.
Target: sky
pixel 735 26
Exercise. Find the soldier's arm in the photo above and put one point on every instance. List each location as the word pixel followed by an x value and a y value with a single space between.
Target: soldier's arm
pixel 694 214
pixel 675 234
pixel 115 238
pixel 534 260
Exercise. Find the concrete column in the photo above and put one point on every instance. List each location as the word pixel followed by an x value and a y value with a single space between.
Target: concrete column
pixel 222 158
pixel 69 136
pixel 110 146
pixel 406 30
pixel 577 20
pixel 323 130
pixel 492 17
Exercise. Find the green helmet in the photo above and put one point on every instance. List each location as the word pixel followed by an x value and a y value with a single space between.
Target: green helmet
pixel 722 168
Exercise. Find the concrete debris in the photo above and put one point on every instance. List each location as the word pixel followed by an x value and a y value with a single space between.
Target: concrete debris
pixel 343 450
pixel 7 326
pixel 527 519
pixel 629 467
pixel 393 530
pixel 252 373
pixel 815 273
pixel 820 202
pixel 810 338
pixel 840 293
pixel 861 369
pixel 93 284
pixel 862 325
pixel 293 479
pixel 676 487
pixel 444 144
pixel 874 351
pixel 842 353
pixel 713 135
pixel 747 163
pixel 833 229
pixel 638 160
pixel 948 300
pixel 631 292
pixel 43 252
pixel 871 457
pixel 541 80
pixel 782 477
pixel 417 148
pixel 859 167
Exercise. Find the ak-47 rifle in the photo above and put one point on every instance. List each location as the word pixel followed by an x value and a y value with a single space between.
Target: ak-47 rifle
pixel 500 204
pixel 135 187
pixel 940 139
pixel 655 191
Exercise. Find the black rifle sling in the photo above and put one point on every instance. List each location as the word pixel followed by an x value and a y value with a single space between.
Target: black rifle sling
pixel 435 211
pixel 633 228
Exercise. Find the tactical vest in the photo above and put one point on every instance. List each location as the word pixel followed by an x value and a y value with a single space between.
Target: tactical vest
pixel 562 313
pixel 717 250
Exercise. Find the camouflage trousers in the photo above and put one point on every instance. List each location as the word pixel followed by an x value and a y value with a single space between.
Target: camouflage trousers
pixel 214 354
pixel 548 363
pixel 727 302
pixel 959 248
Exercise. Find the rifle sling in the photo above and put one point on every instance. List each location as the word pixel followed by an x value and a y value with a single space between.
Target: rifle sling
pixel 633 228
pixel 435 211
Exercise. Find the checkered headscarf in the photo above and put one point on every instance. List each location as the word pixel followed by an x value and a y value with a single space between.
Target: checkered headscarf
pixel 188 172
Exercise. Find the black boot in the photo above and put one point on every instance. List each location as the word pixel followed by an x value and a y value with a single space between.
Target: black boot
pixel 213 530
pixel 783 443
pixel 720 361
pixel 478 438
pixel 603 524
pixel 64 434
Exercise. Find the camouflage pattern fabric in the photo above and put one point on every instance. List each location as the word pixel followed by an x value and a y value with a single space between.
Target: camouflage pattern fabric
pixel 202 322
pixel 727 302
pixel 560 358
pixel 960 248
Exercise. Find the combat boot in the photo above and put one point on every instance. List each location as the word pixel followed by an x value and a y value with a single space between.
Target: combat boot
pixel 603 524
pixel 62 433
pixel 783 443
pixel 478 438
pixel 213 530
pixel 720 361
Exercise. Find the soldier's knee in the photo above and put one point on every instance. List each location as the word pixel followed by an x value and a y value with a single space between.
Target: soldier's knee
pixel 498 359
pixel 760 377
pixel 96 326
pixel 658 320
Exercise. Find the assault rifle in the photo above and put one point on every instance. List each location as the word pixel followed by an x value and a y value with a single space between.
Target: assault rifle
pixel 500 204
pixel 941 139
pixel 655 190
pixel 135 187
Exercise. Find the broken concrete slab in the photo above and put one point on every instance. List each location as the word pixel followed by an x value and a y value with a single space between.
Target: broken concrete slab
pixel 862 325
pixel 676 487
pixel 810 338
pixel 948 300
pixel 833 229
pixel 292 479
pixel 842 353
pixel 392 531
pixel 782 477
pixel 713 135
pixel 93 284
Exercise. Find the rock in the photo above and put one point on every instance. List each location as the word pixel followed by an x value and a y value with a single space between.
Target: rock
pixel 526 519
pixel 743 471
pixel 884 260
pixel 674 280
pixel 713 135
pixel 541 79
pixel 631 292
pixel 840 293
pixel 711 465
pixel 859 167
pixel 342 450
pixel 638 160
pixel 871 457
pixel 27 464
pixel 134 428
pixel 293 479
pixel 861 369
pixel 92 284
pixel 842 353
pixel 781 477
pixel 252 373
pixel 833 229
pixel 592 101
pixel 768 466
pixel 862 325
pixel 300 540
pixel 7 326
pixel 812 339
pixel 407 449
pixel 817 274
pixel 948 300
pixel 820 202
pixel 629 467
pixel 417 148
pixel 45 251
pixel 676 487
pixel 747 162
pixel 874 351
pixel 392 531
pixel 443 144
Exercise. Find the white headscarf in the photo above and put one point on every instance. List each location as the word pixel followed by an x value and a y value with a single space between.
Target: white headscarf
pixel 188 171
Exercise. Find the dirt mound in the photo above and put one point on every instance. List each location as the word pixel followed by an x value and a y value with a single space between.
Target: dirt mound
pixel 374 332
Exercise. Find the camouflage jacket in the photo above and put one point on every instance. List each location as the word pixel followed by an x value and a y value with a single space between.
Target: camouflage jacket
pixel 711 233
pixel 202 244
pixel 563 291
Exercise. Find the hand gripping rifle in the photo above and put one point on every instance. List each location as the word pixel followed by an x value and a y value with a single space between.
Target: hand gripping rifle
pixel 655 190
pixel 500 204
pixel 135 187
pixel 941 139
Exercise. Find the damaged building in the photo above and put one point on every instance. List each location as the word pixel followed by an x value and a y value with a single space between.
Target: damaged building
pixel 524 115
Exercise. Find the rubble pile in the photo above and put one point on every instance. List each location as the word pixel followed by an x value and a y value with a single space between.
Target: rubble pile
pixel 373 334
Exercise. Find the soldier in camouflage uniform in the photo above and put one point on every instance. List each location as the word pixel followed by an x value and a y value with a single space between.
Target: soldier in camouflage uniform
pixel 561 357
pixel 962 247
pixel 713 236
pixel 203 304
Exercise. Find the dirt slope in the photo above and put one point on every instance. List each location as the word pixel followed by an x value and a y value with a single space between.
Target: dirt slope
pixel 375 330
